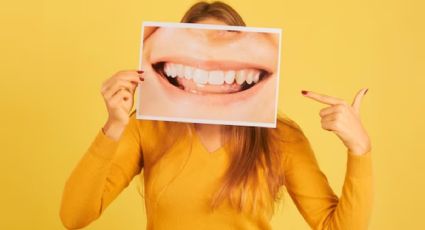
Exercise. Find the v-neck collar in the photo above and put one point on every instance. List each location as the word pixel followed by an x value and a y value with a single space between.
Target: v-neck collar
pixel 198 140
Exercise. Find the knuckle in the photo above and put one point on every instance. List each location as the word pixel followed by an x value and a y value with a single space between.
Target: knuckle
pixel 113 104
pixel 340 107
pixel 109 104
pixel 118 75
pixel 102 89
pixel 336 125
pixel 326 127
pixel 116 82
pixel 338 116
pixel 124 73
pixel 120 72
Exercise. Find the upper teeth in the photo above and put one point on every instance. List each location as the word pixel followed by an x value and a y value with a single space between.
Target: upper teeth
pixel 213 77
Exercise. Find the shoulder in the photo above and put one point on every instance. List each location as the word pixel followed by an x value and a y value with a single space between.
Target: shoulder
pixel 147 127
pixel 155 135
pixel 156 129
pixel 288 130
pixel 293 142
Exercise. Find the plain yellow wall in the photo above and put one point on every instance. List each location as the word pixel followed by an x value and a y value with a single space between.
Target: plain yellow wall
pixel 55 55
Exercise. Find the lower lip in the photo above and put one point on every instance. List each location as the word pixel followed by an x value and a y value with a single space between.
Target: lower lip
pixel 180 95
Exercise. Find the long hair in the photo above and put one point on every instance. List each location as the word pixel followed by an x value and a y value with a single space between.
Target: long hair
pixel 254 175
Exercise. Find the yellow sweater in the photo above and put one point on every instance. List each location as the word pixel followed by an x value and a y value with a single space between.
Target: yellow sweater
pixel 178 187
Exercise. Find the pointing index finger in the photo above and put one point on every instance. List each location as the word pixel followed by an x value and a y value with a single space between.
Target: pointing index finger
pixel 322 98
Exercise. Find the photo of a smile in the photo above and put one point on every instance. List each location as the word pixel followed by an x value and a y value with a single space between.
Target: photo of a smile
pixel 210 81
pixel 203 75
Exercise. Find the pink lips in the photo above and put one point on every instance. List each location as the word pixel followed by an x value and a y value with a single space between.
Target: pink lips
pixel 210 77
pixel 182 97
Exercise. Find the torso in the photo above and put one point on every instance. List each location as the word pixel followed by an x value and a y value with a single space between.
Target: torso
pixel 209 136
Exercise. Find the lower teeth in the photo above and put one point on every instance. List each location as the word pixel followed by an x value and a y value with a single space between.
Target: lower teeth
pixel 174 81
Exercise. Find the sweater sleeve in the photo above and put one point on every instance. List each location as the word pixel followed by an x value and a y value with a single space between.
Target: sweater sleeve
pixel 311 193
pixel 106 168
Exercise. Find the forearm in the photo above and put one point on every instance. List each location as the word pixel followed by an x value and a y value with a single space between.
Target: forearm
pixel 355 204
pixel 82 195
pixel 84 191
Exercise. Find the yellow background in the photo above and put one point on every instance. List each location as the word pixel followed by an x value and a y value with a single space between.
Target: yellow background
pixel 55 55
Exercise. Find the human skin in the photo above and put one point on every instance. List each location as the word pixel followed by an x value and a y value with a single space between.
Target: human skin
pixel 248 55
pixel 344 120
pixel 118 93
pixel 338 117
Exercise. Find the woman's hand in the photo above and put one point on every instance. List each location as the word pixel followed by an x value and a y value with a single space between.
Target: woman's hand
pixel 118 92
pixel 344 120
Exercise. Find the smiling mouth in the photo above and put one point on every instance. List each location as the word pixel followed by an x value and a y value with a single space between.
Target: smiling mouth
pixel 200 81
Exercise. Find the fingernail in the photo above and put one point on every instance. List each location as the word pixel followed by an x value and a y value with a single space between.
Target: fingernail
pixel 304 92
pixel 140 71
pixel 365 92
pixel 141 78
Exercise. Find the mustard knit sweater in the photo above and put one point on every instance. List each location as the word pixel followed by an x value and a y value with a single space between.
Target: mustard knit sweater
pixel 178 186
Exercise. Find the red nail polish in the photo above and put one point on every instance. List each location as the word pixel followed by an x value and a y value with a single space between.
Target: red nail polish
pixel 304 92
pixel 365 92
pixel 140 71
pixel 141 78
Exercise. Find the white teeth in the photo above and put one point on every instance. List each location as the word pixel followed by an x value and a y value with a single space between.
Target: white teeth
pixel 240 76
pixel 188 72
pixel 173 70
pixel 216 77
pixel 213 77
pixel 229 77
pixel 256 76
pixel 200 76
pixel 167 69
pixel 179 70
pixel 250 77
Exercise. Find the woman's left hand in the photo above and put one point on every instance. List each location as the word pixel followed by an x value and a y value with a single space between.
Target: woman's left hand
pixel 344 120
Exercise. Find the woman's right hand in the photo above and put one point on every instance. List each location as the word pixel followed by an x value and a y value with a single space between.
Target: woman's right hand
pixel 118 92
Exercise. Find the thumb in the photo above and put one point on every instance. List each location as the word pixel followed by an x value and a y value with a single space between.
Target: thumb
pixel 358 99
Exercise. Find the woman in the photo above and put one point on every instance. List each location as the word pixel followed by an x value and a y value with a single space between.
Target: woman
pixel 199 176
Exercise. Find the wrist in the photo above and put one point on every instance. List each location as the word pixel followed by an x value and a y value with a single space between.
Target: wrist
pixel 113 129
pixel 360 148
pixel 358 151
